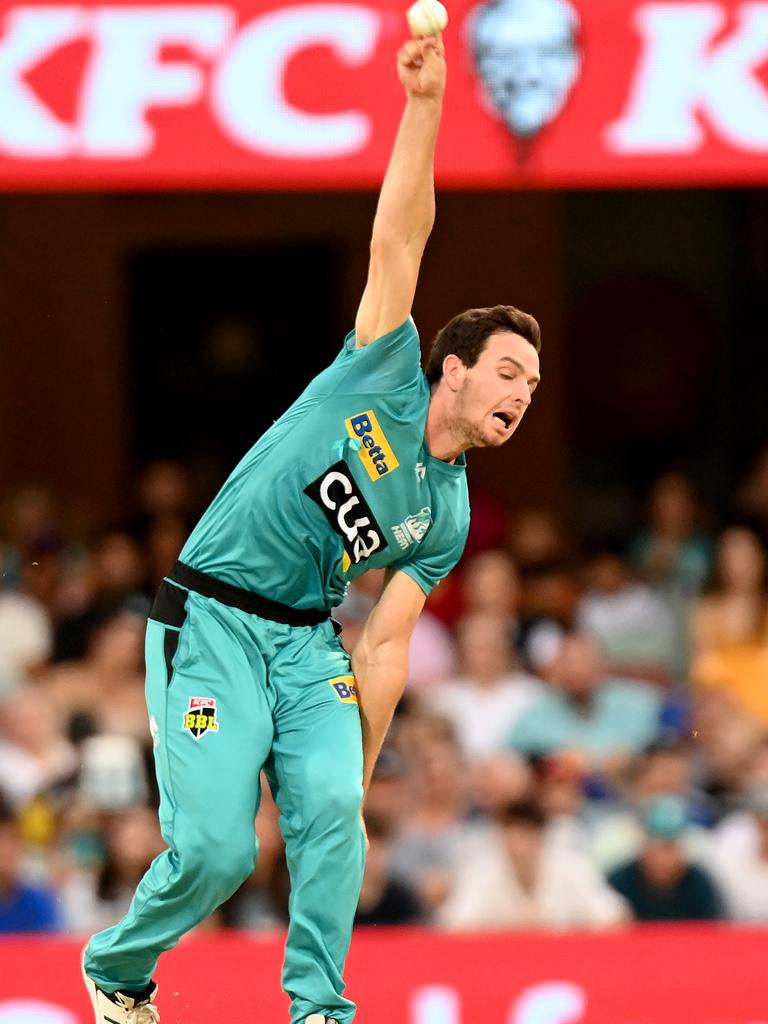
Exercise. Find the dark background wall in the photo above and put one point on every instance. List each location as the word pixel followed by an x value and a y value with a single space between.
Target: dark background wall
pixel 136 325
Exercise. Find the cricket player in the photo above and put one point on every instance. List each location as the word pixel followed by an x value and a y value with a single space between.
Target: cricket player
pixel 245 670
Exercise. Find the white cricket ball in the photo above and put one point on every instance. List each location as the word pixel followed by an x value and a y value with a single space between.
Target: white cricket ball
pixel 426 18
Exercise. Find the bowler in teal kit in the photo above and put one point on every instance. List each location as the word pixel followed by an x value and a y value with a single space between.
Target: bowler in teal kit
pixel 245 670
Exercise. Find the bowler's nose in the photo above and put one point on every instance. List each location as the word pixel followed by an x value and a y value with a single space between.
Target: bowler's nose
pixel 523 394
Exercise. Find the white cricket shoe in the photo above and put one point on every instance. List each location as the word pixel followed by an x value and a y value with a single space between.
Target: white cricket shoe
pixel 318 1018
pixel 117 1008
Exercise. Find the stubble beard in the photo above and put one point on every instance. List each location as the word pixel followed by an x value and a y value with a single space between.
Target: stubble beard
pixel 465 432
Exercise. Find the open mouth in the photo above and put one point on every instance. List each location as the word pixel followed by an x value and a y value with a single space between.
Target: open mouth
pixel 505 418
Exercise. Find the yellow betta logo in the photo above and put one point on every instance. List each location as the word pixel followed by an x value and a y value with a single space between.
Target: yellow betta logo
pixel 374 452
pixel 344 688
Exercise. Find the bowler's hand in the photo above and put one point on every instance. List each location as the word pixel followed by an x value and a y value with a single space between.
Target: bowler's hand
pixel 421 67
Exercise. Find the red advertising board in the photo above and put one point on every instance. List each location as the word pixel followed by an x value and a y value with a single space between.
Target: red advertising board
pixel 299 94
pixel 655 975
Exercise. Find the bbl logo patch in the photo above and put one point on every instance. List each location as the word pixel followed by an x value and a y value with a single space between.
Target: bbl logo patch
pixel 374 452
pixel 344 688
pixel 200 716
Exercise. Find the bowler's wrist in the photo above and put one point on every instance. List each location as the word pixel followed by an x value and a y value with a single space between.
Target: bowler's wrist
pixel 432 105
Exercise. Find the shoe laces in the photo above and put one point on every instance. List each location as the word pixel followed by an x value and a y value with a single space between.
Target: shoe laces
pixel 144 1013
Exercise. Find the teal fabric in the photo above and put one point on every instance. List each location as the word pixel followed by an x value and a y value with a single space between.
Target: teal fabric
pixel 341 483
pixel 275 704
pixel 265 533
pixel 624 716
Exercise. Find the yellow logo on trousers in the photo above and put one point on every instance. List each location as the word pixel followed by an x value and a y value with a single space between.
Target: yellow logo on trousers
pixel 344 688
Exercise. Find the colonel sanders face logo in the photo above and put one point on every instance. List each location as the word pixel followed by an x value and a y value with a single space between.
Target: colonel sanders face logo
pixel 526 53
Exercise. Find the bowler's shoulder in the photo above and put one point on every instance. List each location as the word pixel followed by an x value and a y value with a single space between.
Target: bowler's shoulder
pixel 404 333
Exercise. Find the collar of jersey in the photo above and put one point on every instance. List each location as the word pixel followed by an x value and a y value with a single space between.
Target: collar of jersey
pixel 451 468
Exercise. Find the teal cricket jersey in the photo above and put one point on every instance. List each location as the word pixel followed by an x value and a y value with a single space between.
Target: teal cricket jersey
pixel 341 483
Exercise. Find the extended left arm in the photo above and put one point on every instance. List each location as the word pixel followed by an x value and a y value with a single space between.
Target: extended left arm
pixel 380 662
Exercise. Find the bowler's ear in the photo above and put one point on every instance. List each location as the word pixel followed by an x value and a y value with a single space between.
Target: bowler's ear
pixel 454 372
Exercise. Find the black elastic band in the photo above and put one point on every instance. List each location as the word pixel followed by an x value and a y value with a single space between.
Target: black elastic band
pixel 170 646
pixel 169 606
pixel 245 600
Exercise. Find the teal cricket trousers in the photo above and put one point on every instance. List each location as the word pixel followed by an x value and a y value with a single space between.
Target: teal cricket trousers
pixel 231 693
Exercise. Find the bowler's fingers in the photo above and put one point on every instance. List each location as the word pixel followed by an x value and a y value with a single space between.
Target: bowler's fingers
pixel 410 54
pixel 432 46
pixel 414 52
pixel 433 43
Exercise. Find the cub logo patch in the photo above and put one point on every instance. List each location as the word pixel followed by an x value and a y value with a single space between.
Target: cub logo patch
pixel 344 688
pixel 374 452
pixel 200 716
pixel 348 513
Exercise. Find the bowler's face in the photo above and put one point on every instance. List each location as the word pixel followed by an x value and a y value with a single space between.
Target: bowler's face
pixel 496 392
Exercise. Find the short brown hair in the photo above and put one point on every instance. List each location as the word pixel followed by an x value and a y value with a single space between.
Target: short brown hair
pixel 466 334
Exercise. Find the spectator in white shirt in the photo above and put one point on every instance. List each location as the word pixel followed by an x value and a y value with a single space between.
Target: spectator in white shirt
pixel 25 638
pixel 491 694
pixel 524 877
pixel 34 753
pixel 739 859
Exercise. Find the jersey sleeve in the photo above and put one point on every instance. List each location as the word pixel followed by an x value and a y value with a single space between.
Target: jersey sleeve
pixel 390 363
pixel 435 557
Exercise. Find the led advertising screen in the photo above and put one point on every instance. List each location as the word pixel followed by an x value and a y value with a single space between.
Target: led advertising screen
pixel 254 94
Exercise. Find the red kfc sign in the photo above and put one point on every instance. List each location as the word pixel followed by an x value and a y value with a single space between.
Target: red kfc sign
pixel 250 93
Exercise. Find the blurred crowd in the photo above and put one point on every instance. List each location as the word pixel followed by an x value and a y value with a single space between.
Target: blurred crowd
pixel 583 741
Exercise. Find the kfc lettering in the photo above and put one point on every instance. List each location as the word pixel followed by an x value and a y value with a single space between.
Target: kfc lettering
pixel 684 72
pixel 297 95
pixel 126 76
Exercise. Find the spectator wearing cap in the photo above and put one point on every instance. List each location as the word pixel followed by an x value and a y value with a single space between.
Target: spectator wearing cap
pixel 24 907
pixel 616 831
pixel 523 876
pixel 661 884
pixel 602 719
pixel 738 858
